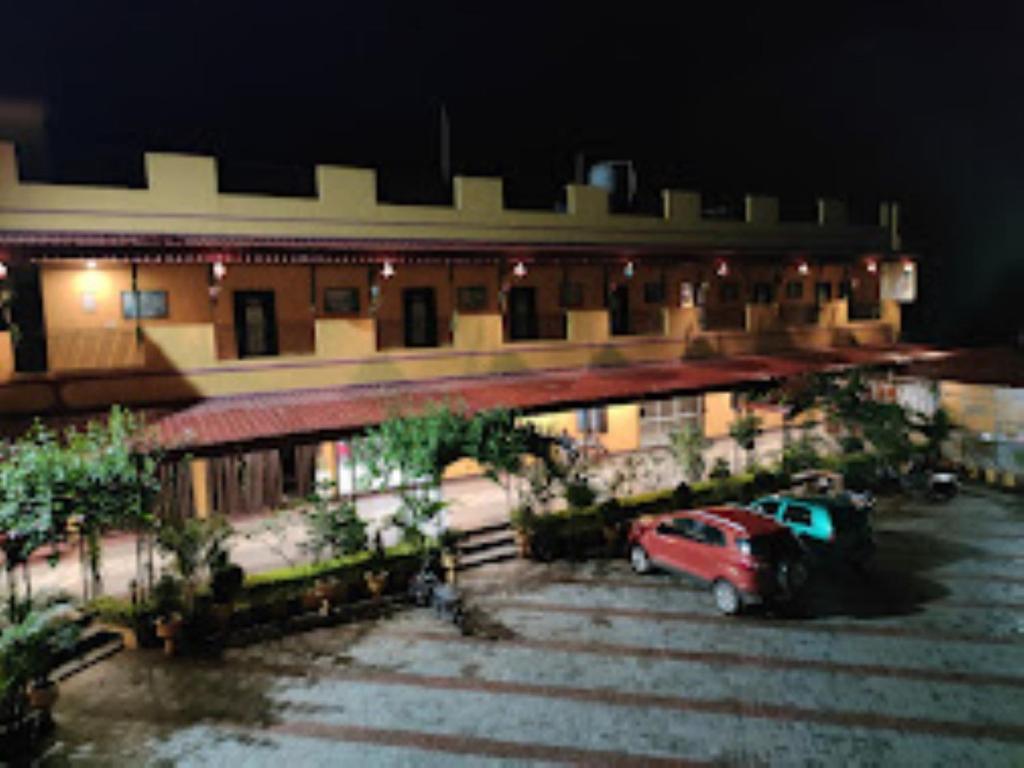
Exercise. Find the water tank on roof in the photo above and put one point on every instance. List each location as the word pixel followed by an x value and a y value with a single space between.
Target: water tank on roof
pixel 619 178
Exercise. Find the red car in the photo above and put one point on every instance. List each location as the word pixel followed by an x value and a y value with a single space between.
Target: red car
pixel 745 557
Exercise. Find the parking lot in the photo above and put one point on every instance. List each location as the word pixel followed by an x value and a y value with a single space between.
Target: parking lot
pixel 921 664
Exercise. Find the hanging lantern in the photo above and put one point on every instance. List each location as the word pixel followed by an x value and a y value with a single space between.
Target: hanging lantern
pixel 219 270
pixel 908 266
pixel 628 270
pixel 803 268
pixel 388 270
pixel 519 270
pixel 722 270
pixel 3 270
pixel 872 266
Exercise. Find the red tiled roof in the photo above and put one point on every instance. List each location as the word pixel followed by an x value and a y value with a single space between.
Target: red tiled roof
pixel 246 419
pixel 988 365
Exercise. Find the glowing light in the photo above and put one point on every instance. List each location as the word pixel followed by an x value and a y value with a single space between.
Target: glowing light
pixel 722 270
pixel 3 270
pixel 90 264
pixel 628 269
pixel 908 266
pixel 519 270
pixel 803 268
pixel 219 270
pixel 388 270
pixel 872 266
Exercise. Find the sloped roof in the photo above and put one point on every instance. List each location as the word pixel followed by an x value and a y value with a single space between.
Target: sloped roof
pixel 250 419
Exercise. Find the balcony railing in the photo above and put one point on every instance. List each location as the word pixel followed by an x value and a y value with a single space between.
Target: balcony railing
pixel 92 349
pixel 864 311
pixel 391 334
pixel 550 326
pixel 289 339
pixel 724 318
pixel 798 314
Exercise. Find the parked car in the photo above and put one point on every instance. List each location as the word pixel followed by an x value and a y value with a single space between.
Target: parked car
pixel 823 482
pixel 745 557
pixel 830 528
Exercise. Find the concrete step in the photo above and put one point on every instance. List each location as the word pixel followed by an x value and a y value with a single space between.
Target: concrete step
pixel 483 530
pixel 487 556
pixel 96 644
pixel 485 541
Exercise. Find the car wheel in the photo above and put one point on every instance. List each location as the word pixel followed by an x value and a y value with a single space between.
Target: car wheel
pixel 639 560
pixel 727 597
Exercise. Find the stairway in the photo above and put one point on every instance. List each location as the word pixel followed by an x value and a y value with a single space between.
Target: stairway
pixel 486 545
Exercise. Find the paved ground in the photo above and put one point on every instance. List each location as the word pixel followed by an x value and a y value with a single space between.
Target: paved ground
pixel 591 664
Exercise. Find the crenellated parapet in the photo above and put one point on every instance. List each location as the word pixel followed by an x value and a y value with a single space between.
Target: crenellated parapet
pixel 182 197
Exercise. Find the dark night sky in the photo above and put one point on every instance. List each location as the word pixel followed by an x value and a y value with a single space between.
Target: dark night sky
pixel 919 102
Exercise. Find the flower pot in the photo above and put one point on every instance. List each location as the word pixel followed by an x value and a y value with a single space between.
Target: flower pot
pixel 168 630
pixel 43 695
pixel 375 582
pixel 522 543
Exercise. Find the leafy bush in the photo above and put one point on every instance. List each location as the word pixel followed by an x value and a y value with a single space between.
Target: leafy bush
pixel 720 469
pixel 579 494
pixel 334 526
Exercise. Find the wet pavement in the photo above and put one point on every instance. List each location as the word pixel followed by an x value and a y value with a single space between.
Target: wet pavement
pixel 920 664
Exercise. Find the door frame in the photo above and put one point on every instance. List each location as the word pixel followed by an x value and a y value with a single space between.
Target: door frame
pixel 267 299
pixel 408 296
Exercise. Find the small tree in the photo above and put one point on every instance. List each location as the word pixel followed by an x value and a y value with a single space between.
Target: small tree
pixel 334 526
pixel 744 430
pixel 688 447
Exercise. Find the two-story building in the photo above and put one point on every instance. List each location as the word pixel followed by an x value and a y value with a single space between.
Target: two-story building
pixel 260 331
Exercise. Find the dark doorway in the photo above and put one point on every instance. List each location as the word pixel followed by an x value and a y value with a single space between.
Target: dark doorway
pixel 618 310
pixel 420 317
pixel 522 313
pixel 823 293
pixel 255 323
pixel 27 318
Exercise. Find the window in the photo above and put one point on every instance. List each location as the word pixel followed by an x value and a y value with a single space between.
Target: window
pixel 797 514
pixel 593 420
pixel 729 292
pixel 654 293
pixel 795 289
pixel 660 418
pixel 341 301
pixel 711 535
pixel 762 293
pixel 472 298
pixel 768 507
pixel 845 289
pixel 571 295
pixel 150 304
pixel 823 292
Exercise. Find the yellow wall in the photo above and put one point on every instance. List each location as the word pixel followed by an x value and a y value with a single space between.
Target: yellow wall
pixel 182 196
pixel 971 406
pixel 6 356
pixel 718 414
pixel 623 426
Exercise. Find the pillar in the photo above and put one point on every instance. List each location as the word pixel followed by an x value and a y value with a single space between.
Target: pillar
pixel 200 471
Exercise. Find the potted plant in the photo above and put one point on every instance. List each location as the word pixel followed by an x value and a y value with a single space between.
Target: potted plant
pixel 167 596
pixel 376 576
pixel 29 650
pixel 225 586
pixel 523 518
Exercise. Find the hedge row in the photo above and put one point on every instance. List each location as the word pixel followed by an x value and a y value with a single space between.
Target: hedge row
pixel 600 530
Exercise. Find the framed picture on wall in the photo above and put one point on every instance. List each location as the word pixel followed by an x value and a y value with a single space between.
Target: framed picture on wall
pixel 341 301
pixel 471 298
pixel 151 304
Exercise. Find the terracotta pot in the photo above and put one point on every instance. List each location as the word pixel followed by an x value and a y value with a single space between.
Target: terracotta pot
pixel 375 582
pixel 43 696
pixel 522 543
pixel 168 629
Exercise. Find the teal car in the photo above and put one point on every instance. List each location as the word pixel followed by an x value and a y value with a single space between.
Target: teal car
pixel 831 529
